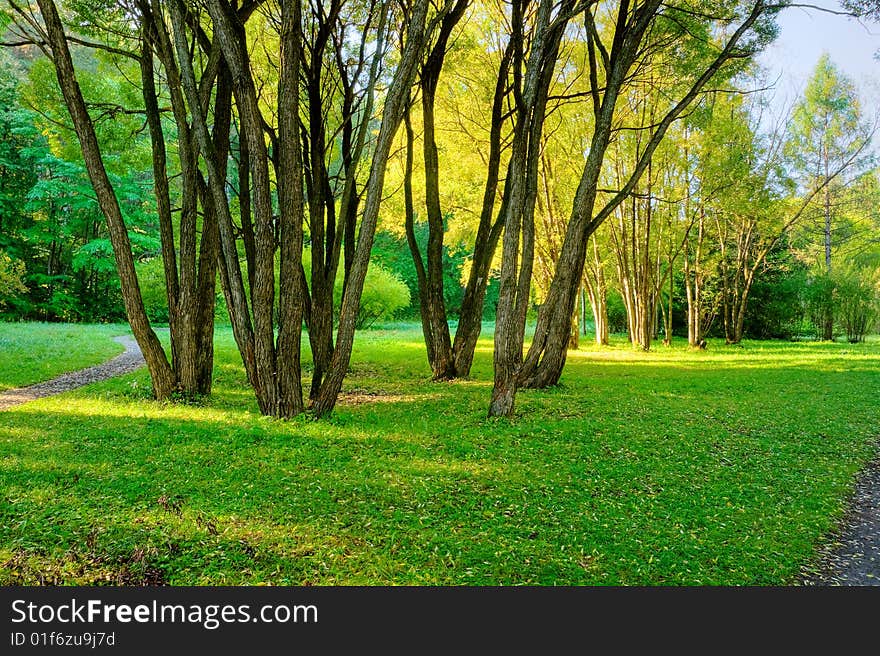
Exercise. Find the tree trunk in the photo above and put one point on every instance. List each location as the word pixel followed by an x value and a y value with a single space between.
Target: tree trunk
pixel 667 325
pixel 333 232
pixel 206 281
pixel 290 205
pixel 432 305
pixel 321 207
pixel 394 109
pixel 230 270
pixel 575 335
pixel 518 240
pixel 546 357
pixel 693 280
pixel 597 292
pixel 828 325
pixel 161 373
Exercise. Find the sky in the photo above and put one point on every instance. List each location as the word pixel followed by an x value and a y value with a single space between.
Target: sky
pixel 805 34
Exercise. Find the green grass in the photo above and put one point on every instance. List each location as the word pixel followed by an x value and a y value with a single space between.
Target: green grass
pixel 727 466
pixel 33 352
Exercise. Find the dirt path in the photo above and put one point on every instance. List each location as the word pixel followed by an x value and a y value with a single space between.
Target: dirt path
pixel 853 556
pixel 127 361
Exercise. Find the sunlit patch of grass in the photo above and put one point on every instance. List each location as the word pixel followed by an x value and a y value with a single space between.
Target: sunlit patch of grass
pixel 725 466
pixel 34 352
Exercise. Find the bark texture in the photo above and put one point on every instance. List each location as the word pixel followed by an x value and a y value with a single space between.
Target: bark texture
pixel 161 374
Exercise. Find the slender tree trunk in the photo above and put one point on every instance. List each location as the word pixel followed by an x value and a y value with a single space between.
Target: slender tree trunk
pixel 667 325
pixel 432 305
pixel 575 335
pixel 209 248
pixel 321 206
pixel 693 279
pixel 828 327
pixel 161 191
pixel 518 240
pixel 412 242
pixel 394 109
pixel 488 233
pixel 161 373
pixel 333 233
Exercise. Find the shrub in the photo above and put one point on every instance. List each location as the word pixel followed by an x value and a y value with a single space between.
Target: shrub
pixel 819 301
pixel 383 296
pixel 857 303
pixel 11 278
pixel 151 277
pixel 775 309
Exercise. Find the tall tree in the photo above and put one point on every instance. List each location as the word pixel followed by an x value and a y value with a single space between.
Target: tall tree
pixel 137 35
pixel 340 74
pixel 272 366
pixel 432 304
pixel 827 128
pixel 639 29
pixel 534 64
pixel 54 43
pixel 473 113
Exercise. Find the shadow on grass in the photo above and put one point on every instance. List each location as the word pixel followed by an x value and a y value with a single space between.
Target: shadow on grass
pixel 630 474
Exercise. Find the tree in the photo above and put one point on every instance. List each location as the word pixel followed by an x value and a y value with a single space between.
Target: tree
pixel 827 129
pixel 417 29
pixel 131 36
pixel 340 76
pixel 468 112
pixel 649 230
pixel 432 304
pixel 637 30
pixel 53 41
pixel 866 8
pixel 533 71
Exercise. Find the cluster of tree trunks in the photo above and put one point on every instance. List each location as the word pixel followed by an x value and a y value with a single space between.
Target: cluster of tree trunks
pixel 204 63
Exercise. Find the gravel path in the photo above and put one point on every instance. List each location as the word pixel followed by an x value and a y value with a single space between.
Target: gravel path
pixel 129 360
pixel 853 556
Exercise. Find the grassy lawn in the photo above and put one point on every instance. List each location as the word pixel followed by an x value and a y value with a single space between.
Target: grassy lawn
pixel 33 352
pixel 674 467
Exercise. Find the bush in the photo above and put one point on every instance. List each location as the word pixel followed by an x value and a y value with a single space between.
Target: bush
pixel 819 301
pixel 151 277
pixel 775 308
pixel 384 293
pixel 856 303
pixel 11 278
pixel 616 312
pixel 383 296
